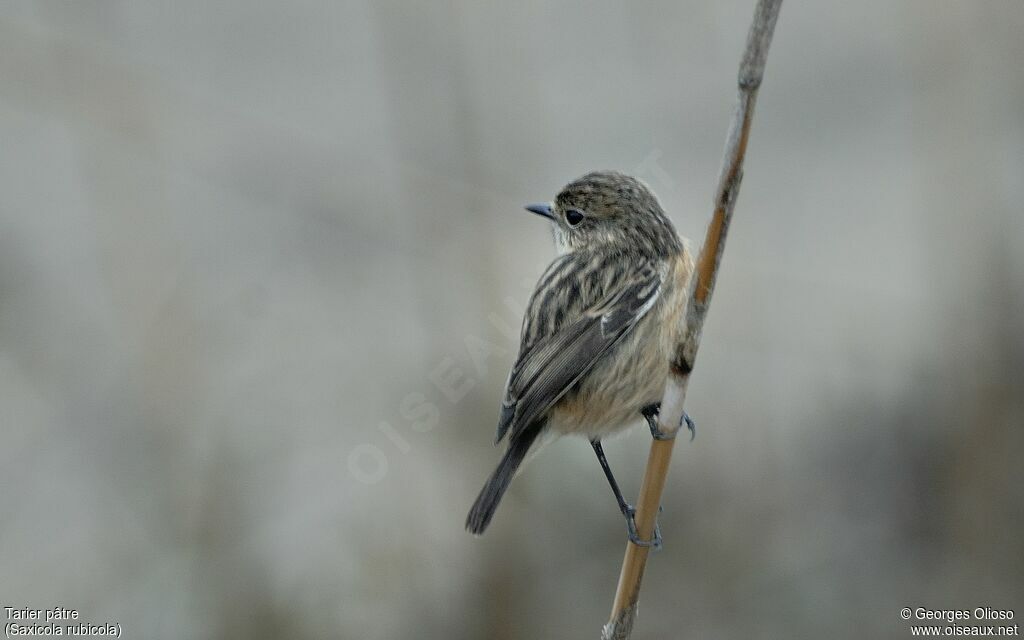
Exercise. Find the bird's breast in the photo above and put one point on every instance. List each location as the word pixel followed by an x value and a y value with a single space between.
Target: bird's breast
pixel 632 374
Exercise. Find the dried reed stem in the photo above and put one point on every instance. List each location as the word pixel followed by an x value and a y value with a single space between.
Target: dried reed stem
pixel 620 625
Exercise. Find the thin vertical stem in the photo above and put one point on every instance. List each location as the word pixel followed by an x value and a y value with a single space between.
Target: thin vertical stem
pixel 620 625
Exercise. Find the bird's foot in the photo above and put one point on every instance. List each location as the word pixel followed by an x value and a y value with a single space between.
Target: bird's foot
pixel 634 535
pixel 650 413
pixel 691 425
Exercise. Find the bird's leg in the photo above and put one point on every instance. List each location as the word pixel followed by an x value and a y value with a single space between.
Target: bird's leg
pixel 627 510
pixel 650 413
pixel 624 507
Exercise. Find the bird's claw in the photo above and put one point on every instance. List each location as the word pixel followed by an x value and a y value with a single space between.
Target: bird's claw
pixel 650 413
pixel 691 425
pixel 634 535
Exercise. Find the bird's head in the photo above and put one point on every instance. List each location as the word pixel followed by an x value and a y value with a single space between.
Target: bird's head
pixel 610 210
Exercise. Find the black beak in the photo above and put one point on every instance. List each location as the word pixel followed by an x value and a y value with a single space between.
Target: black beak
pixel 543 209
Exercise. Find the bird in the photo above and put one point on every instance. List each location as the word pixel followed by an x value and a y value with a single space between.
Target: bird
pixel 598 333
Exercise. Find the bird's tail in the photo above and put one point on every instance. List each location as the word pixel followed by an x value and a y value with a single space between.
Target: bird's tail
pixel 487 502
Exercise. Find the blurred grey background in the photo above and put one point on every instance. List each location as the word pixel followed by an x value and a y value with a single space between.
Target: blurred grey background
pixel 258 262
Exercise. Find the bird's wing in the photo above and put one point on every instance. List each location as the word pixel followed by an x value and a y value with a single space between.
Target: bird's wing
pixel 551 364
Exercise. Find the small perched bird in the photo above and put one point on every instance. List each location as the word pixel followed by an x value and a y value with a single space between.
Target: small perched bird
pixel 599 330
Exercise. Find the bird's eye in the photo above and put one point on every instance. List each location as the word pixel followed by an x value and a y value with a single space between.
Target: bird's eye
pixel 573 217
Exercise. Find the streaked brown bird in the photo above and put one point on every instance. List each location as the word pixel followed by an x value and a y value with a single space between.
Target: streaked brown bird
pixel 599 329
